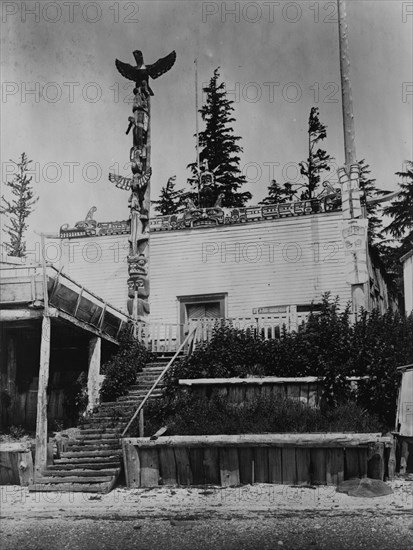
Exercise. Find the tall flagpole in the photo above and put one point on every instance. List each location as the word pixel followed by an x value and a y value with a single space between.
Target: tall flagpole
pixel 347 98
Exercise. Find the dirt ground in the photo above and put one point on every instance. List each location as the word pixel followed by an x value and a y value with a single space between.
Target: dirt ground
pixel 259 516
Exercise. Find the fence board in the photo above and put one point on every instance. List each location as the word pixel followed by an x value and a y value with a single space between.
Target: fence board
pixel 246 465
pixel 132 465
pixel 167 466
pixel 261 465
pixel 334 466
pixel 149 464
pixel 229 466
pixel 183 466
pixel 289 471
pixel 196 457
pixel 211 466
pixel 274 465
pixel 303 465
pixel 352 463
pixel 318 466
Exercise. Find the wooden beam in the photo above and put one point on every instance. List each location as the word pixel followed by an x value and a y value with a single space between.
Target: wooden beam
pixel 41 420
pixel 95 350
pixel 20 314
pixel 258 380
pixel 86 327
pixel 265 440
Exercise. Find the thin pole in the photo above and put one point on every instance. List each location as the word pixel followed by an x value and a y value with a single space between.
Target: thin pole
pixel 346 95
pixel 197 126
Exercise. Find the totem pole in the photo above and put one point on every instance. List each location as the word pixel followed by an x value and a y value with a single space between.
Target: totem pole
pixel 139 184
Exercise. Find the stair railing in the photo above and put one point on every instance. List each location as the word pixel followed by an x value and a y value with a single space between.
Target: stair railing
pixel 189 340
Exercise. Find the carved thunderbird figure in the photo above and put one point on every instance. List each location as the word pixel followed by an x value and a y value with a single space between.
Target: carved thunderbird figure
pixel 141 72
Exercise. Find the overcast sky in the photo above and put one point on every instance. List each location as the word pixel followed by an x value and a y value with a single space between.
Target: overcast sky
pixel 278 59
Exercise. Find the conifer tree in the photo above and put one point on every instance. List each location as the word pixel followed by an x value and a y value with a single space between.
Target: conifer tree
pixel 369 189
pixel 318 159
pixel 219 147
pixel 170 199
pixel 400 228
pixel 19 207
pixel 401 209
pixel 277 193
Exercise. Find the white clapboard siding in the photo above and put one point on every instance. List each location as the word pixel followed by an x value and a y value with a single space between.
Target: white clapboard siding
pixel 275 262
pixel 269 263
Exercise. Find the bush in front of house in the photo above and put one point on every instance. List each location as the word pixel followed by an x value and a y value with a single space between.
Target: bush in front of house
pixel 328 346
pixel 189 414
pixel 121 370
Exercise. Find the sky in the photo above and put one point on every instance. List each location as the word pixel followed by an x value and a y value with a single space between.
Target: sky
pixel 65 105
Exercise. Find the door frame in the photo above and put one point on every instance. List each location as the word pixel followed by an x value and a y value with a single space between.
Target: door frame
pixel 183 301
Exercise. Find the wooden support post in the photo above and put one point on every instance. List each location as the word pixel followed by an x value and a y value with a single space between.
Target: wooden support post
pixel 141 424
pixel 11 369
pixel 41 420
pixel 95 347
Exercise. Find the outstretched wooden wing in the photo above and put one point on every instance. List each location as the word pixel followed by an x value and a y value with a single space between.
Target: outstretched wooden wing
pixel 161 66
pixel 126 70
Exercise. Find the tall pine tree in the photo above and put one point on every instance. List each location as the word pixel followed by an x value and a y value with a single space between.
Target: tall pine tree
pixel 318 159
pixel 170 199
pixel 19 208
pixel 219 147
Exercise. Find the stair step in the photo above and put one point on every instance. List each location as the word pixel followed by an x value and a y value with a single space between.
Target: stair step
pixel 84 466
pixel 88 460
pixel 92 441
pixel 74 479
pixel 103 487
pixel 91 453
pixel 96 430
pixel 81 473
pixel 100 436
pixel 87 447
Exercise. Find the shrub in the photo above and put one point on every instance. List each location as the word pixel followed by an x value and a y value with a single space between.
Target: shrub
pixel 120 372
pixel 328 346
pixel 189 414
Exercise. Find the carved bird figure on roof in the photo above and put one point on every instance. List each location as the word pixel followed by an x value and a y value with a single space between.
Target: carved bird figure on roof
pixel 141 72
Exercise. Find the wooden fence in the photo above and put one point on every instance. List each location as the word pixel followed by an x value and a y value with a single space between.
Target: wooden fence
pixel 230 460
pixel 166 337
pixel 306 389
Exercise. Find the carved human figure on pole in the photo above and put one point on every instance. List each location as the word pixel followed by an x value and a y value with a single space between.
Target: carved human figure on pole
pixel 139 184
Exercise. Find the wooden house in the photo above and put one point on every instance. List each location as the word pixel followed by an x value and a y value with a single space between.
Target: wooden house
pixel 258 264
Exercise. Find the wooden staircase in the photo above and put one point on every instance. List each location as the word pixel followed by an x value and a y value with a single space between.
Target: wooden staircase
pixel 93 462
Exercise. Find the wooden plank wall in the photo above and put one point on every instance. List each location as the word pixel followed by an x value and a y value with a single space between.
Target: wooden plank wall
pixel 306 393
pixel 230 466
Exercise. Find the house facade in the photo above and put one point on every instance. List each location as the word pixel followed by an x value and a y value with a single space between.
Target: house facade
pixel 240 263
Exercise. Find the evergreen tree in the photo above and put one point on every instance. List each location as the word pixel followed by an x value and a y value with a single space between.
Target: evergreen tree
pixel 318 159
pixel 369 189
pixel 170 199
pixel 19 208
pixel 400 228
pixel 401 210
pixel 219 147
pixel 278 193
